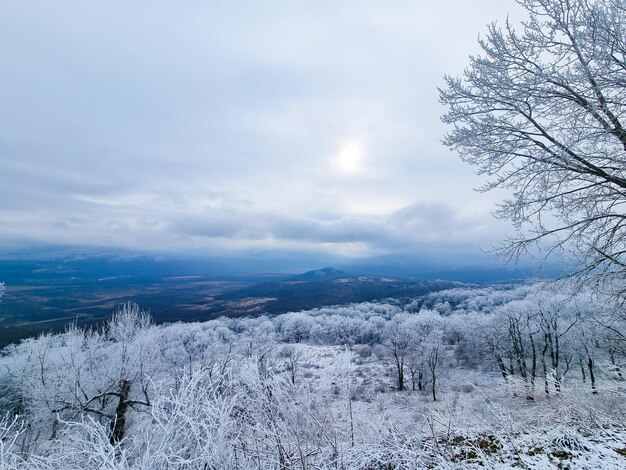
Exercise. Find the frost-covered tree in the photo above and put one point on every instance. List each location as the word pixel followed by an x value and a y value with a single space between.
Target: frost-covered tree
pixel 296 327
pixel 541 112
pixel 400 344
pixel 412 343
pixel 102 374
pixel 587 339
pixel 556 318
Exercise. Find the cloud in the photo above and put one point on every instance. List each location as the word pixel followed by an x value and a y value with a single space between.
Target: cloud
pixel 216 125
pixel 409 229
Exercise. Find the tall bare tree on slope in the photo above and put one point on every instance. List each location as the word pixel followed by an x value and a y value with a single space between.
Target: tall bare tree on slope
pixel 542 113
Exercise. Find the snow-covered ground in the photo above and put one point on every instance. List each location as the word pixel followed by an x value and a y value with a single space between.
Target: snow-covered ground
pixel 522 379
pixel 478 420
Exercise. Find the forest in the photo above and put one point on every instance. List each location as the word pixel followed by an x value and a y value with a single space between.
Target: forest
pixel 460 378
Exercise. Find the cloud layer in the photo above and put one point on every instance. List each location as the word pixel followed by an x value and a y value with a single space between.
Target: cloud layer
pixel 216 126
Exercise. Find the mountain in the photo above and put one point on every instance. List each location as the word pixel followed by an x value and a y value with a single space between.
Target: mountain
pixel 323 274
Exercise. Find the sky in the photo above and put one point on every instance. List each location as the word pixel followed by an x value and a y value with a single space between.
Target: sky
pixel 223 128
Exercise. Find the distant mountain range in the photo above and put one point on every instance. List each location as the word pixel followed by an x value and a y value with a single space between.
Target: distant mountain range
pixel 46 290
pixel 90 262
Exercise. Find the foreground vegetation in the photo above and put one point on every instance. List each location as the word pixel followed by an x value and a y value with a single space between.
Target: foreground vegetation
pixel 490 377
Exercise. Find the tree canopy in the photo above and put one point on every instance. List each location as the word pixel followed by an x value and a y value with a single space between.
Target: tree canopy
pixel 541 112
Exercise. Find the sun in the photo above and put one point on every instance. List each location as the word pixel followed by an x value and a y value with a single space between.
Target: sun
pixel 350 158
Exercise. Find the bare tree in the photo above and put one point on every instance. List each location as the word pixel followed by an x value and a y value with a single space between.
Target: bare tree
pixel 291 358
pixel 399 344
pixel 541 112
pixel 556 322
pixel 433 361
pixel 586 342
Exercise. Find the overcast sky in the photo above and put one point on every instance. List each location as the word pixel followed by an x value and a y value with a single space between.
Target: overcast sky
pixel 226 127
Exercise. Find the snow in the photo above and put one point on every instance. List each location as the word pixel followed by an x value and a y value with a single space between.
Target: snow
pixel 319 389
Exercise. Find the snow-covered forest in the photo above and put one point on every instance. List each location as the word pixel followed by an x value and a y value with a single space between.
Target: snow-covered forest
pixel 162 144
pixel 494 376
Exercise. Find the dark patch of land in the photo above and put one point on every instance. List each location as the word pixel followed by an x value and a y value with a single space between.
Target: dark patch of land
pixel 291 295
pixel 46 295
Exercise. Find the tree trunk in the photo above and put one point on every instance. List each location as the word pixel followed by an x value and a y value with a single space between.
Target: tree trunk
pixel 432 365
pixel 413 377
pixel 533 371
pixel 592 376
pixel 400 367
pixel 546 387
pixel 582 369
pixel 502 368
pixel 119 420
pixel 557 383
pixel 620 376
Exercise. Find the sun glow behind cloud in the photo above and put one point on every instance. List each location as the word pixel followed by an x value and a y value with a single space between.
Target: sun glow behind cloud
pixel 349 161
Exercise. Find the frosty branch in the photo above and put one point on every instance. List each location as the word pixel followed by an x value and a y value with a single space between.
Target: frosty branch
pixel 541 112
